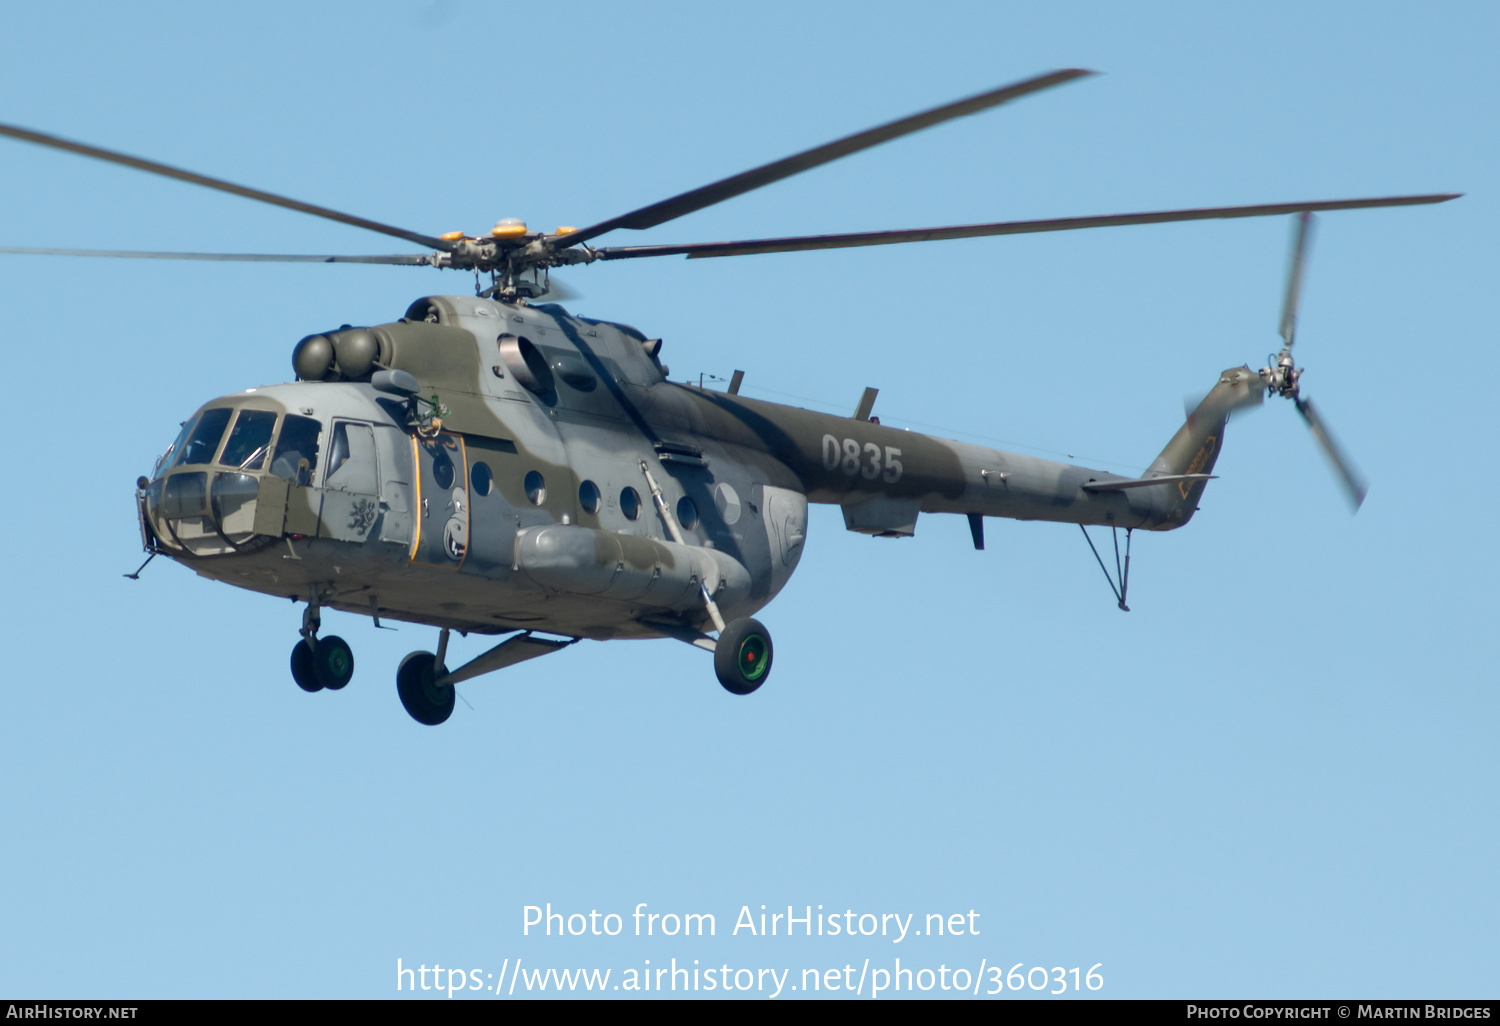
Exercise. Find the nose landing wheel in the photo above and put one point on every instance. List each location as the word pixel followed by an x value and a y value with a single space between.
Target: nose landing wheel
pixel 319 663
pixel 302 667
pixel 325 663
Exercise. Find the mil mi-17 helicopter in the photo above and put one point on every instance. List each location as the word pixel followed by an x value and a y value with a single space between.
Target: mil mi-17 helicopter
pixel 496 465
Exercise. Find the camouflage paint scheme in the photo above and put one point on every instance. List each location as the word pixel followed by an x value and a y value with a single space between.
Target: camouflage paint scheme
pixel 399 523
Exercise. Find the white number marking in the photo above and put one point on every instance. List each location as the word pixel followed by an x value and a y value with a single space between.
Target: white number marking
pixel 851 457
pixel 847 455
pixel 830 451
pixel 892 465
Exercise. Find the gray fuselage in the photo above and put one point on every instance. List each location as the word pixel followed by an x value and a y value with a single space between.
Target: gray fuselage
pixel 524 504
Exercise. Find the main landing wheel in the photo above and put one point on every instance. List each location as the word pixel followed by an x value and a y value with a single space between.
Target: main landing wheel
pixel 426 702
pixel 742 656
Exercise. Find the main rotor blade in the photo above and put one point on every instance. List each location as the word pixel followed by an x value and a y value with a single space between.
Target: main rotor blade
pixel 83 149
pixel 964 231
pixel 1351 480
pixel 413 259
pixel 717 192
pixel 1295 265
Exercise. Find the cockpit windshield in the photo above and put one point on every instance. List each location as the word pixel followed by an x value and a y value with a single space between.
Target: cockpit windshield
pixel 165 459
pixel 247 444
pixel 246 448
pixel 203 442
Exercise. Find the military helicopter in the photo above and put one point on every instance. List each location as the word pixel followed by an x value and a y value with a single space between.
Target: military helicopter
pixel 493 464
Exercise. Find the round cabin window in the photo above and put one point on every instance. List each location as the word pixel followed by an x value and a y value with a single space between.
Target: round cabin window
pixel 536 488
pixel 442 471
pixel 589 497
pixel 481 478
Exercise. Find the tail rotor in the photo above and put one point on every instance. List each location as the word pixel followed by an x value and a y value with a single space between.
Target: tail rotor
pixel 1283 377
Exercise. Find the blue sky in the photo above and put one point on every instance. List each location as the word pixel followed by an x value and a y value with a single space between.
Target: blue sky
pixel 1276 776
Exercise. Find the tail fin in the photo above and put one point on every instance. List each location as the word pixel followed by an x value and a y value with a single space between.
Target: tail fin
pixel 1195 447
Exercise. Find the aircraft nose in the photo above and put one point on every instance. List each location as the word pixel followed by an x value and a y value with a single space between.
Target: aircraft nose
pixel 201 497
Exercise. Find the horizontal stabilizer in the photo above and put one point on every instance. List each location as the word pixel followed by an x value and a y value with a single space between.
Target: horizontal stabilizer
pixel 1143 482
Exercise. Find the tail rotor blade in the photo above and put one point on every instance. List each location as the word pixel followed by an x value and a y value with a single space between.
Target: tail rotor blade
pixel 1298 260
pixel 1350 478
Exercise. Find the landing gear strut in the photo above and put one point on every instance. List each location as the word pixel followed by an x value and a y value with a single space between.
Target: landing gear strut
pixel 742 654
pixel 319 663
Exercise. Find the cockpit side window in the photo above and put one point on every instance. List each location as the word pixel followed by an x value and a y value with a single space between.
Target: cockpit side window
pixel 298 441
pixel 338 448
pixel 248 442
pixel 351 458
pixel 204 440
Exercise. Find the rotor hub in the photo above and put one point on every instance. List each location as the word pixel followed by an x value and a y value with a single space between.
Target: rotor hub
pixel 1282 376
